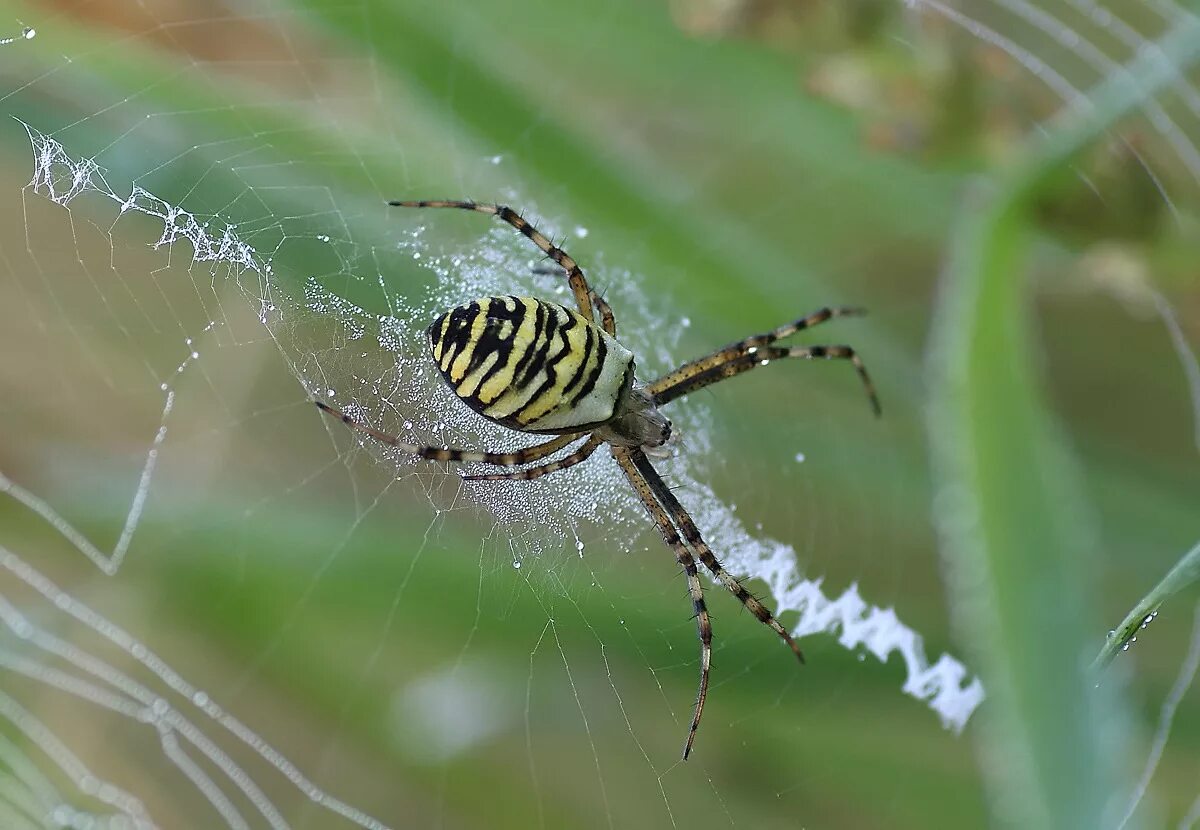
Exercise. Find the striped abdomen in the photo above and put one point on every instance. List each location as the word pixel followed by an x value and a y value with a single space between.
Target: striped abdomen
pixel 530 364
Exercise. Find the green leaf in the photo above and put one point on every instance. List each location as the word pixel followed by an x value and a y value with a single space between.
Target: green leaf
pixel 1186 572
pixel 1013 533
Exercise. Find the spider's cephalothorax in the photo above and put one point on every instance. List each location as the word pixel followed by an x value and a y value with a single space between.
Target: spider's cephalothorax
pixel 539 367
pixel 536 366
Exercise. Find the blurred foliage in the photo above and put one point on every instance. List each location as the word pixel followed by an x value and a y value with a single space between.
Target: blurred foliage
pixel 753 160
pixel 1011 495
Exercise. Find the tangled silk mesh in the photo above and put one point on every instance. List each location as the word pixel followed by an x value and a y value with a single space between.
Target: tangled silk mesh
pixel 375 368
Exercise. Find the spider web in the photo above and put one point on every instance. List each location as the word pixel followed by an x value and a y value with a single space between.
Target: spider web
pixel 217 604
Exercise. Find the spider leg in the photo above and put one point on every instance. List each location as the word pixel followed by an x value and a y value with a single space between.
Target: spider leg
pixel 760 356
pixel 500 459
pixel 575 277
pixel 607 321
pixel 631 461
pixel 754 341
pixel 673 384
pixel 530 473
pixel 691 535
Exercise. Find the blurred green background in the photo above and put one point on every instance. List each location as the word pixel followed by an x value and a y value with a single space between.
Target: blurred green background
pixel 747 162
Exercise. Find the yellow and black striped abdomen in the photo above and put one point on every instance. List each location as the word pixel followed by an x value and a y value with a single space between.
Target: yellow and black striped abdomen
pixel 531 365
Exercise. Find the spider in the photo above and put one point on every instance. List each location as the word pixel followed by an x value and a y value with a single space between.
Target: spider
pixel 539 367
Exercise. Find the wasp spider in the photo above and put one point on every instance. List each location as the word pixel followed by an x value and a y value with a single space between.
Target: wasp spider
pixel 539 367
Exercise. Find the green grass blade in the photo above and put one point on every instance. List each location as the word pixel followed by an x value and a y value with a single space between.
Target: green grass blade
pixel 1186 572
pixel 1012 533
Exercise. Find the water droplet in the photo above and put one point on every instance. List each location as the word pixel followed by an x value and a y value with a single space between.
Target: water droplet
pixel 685 322
pixel 581 231
pixel 517 564
pixel 497 159
pixel 799 458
